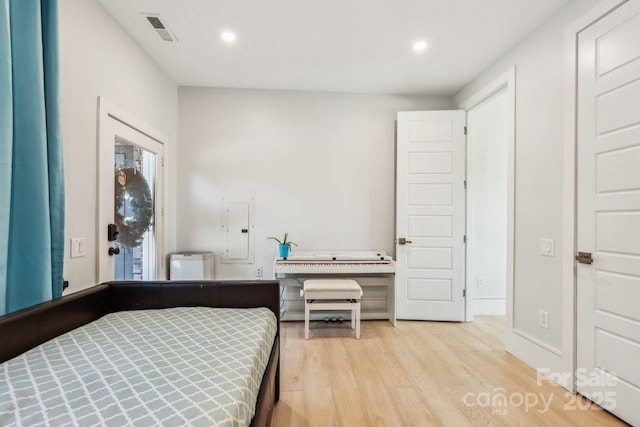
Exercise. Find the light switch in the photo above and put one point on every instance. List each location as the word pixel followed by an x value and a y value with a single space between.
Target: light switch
pixel 546 247
pixel 77 247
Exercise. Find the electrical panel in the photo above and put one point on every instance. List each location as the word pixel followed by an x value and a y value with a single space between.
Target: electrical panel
pixel 237 232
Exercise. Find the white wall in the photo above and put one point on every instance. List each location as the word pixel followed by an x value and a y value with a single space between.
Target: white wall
pixel 321 166
pixel 539 61
pixel 487 204
pixel 99 59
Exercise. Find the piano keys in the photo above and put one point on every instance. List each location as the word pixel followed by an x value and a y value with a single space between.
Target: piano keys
pixel 373 270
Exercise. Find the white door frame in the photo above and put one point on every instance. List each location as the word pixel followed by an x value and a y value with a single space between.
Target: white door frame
pixel 569 185
pixel 108 111
pixel 505 81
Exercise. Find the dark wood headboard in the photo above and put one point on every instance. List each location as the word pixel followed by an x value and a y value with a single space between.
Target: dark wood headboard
pixel 25 329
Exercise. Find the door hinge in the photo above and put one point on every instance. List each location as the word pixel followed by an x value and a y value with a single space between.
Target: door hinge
pixel 464 293
pixel 162 212
pixel 465 184
pixel 465 130
pixel 464 239
pixel 162 162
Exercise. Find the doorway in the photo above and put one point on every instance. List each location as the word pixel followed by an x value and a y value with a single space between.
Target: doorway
pixel 491 201
pixel 429 286
pixel 487 141
pixel 135 170
pixel 131 213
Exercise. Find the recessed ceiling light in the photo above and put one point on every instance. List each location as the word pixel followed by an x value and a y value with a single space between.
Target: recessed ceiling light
pixel 228 37
pixel 420 45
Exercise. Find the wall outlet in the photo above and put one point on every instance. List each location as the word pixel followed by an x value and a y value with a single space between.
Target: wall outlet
pixel 543 319
pixel 77 247
pixel 480 282
pixel 258 271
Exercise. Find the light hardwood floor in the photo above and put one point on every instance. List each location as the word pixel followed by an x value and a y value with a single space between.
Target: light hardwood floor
pixel 418 374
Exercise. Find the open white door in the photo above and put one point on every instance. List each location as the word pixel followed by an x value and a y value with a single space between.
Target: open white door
pixel 130 211
pixel 608 217
pixel 430 215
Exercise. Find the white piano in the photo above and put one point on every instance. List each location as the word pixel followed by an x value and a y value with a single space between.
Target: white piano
pixel 374 271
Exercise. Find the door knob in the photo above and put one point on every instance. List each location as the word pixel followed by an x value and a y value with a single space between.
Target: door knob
pixel 114 251
pixel 403 241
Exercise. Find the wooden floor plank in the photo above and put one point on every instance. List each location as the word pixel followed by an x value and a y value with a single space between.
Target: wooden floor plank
pixel 290 410
pixel 392 375
pixel 380 406
pixel 338 364
pixel 444 410
pixel 315 365
pixel 414 411
pixel 349 407
pixel 319 407
pixel 292 356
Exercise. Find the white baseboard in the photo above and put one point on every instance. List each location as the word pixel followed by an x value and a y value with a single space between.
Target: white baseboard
pixel 541 357
pixel 489 306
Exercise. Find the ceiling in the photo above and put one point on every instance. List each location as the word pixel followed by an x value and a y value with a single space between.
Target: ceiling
pixel 332 45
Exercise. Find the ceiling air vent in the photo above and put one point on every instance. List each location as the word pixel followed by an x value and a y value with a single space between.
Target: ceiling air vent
pixel 157 23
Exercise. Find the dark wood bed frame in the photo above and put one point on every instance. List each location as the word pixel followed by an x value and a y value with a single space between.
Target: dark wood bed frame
pixel 25 329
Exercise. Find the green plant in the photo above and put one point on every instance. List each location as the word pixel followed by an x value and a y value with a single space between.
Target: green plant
pixel 284 241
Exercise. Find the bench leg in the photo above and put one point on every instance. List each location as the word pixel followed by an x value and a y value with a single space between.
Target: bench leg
pixel 357 320
pixel 306 320
pixel 353 319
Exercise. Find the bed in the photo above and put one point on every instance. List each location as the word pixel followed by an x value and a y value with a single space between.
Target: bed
pixel 144 353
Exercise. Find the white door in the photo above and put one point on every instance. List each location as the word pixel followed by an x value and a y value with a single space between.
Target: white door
pixel 430 215
pixel 130 203
pixel 608 217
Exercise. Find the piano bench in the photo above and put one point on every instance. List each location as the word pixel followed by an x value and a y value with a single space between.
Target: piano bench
pixel 332 294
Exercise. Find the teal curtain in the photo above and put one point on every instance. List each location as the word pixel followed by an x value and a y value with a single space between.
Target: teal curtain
pixel 31 173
